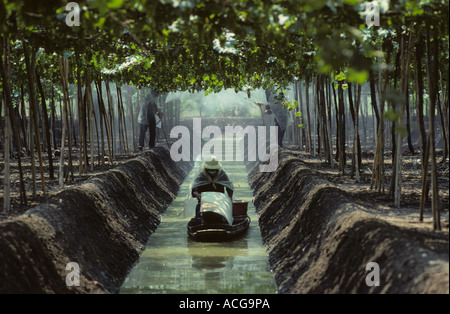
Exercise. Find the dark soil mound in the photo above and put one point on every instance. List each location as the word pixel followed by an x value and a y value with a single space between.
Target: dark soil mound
pixel 102 225
pixel 320 239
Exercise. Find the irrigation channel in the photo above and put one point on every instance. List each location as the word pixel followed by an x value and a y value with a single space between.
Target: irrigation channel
pixel 174 263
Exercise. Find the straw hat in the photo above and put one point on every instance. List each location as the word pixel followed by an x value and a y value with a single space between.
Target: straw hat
pixel 212 163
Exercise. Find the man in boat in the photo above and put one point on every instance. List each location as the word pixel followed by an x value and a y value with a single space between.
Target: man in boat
pixel 147 119
pixel 212 178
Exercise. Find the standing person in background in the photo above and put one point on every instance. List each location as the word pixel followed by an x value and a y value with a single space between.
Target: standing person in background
pixel 147 119
pixel 275 99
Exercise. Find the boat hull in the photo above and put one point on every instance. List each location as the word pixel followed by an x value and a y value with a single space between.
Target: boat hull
pixel 220 219
pixel 198 230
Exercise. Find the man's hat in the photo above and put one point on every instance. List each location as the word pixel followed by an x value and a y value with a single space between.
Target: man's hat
pixel 212 163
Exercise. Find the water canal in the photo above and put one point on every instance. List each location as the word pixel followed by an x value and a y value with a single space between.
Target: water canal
pixel 173 263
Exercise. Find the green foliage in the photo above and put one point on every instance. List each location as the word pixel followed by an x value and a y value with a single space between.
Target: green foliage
pixel 391 114
pixel 212 45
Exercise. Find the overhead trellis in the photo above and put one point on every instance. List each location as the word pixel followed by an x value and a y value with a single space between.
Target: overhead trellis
pixel 174 44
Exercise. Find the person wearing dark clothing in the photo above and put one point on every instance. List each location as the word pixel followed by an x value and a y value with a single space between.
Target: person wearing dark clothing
pixel 275 101
pixel 281 132
pixel 212 178
pixel 147 119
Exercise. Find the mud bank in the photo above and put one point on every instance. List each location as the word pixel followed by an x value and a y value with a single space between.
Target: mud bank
pixel 102 225
pixel 320 240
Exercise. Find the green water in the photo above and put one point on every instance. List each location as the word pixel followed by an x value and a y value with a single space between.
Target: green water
pixel 173 263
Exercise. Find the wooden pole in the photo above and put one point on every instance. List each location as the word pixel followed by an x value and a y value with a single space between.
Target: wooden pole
pixel 63 74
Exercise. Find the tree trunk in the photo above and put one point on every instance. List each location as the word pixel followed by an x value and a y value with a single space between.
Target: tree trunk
pixel 63 73
pixel 433 76
pixel 295 132
pixel 7 170
pixel 10 123
pixel 30 61
pixel 356 139
pixel 329 128
pixel 46 126
pixel 131 111
pixel 308 125
pixel 373 97
pixel 377 180
pixel 53 119
pixel 419 100
pixel 112 130
pixel 101 115
pixel 2 127
pixel 94 117
pixel 432 70
pixel 90 111
pixel 445 109
pixel 341 126
pixel 403 89
pixel 444 129
pixel 408 120
pixel 354 110
pixel 104 118
pixel 23 121
pixel 122 119
pixel 81 119
pixel 70 125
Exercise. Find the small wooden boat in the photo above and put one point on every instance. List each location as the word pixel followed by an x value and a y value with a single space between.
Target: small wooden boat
pixel 220 219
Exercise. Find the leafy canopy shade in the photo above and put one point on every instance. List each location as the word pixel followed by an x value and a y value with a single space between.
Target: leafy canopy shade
pixel 216 44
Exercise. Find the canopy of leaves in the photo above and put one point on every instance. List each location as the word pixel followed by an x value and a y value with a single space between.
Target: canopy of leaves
pixel 215 44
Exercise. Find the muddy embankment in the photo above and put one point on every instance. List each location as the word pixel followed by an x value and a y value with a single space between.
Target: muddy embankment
pixel 102 225
pixel 320 240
